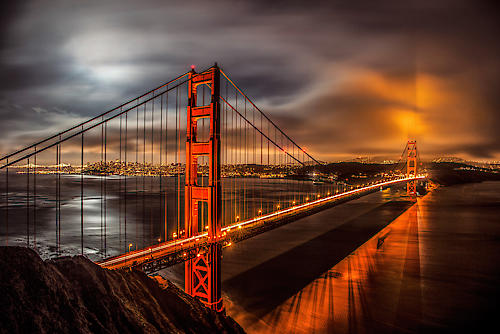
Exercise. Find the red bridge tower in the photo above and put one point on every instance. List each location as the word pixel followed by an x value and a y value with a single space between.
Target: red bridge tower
pixel 411 167
pixel 203 273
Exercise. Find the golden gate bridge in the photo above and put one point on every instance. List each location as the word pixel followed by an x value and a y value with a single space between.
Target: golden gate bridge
pixel 179 172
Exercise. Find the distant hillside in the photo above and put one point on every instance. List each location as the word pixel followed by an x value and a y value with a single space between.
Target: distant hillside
pixel 74 295
pixel 449 173
pixel 444 173
pixel 348 168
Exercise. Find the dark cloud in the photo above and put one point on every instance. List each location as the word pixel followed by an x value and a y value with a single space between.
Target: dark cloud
pixel 342 78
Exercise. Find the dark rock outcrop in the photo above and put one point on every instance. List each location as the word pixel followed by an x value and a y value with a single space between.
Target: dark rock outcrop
pixel 74 295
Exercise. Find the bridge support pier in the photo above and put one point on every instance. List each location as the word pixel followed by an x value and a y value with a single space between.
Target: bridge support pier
pixel 203 204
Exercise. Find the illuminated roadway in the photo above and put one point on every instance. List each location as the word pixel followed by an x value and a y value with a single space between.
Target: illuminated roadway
pixel 185 247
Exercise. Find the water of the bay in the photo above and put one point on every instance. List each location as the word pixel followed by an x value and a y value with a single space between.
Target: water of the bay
pixel 379 264
pixel 376 264
pixel 114 214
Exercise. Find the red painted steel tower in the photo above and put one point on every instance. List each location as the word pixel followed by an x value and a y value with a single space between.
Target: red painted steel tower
pixel 203 273
pixel 411 167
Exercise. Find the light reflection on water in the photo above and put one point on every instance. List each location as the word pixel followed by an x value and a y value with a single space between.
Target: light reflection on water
pixel 433 269
pixel 342 299
pixel 119 212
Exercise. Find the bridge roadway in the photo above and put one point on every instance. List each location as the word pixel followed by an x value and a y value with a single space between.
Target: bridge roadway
pixel 169 253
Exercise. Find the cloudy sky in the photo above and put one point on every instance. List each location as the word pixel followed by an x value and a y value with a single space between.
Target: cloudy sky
pixel 343 78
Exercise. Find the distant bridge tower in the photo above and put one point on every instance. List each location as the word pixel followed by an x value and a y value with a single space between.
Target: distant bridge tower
pixel 411 167
pixel 203 273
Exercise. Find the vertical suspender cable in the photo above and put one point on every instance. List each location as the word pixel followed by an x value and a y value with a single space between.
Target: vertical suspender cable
pixel 160 169
pixel 245 202
pixel 7 204
pixel 136 173
pixel 57 197
pixel 81 195
pixel 177 157
pixel 166 164
pixel 101 179
pixel 151 170
pixel 125 183
pixel 28 203
pixel 34 200
pixel 120 175
pixel 143 210
pixel 107 168
pixel 60 191
pixel 261 166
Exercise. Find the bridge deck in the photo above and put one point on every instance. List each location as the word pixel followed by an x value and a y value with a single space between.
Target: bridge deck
pixel 171 252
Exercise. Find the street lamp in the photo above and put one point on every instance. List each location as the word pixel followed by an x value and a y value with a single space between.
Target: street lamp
pixel 129 245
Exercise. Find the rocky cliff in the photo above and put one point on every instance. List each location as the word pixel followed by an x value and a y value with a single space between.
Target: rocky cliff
pixel 74 295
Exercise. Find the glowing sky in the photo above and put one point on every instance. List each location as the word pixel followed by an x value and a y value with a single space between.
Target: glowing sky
pixel 343 78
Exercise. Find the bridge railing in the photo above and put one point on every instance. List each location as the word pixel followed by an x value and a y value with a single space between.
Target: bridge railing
pixel 169 253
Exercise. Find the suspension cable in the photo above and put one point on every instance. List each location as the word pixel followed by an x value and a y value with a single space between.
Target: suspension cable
pixel 246 97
